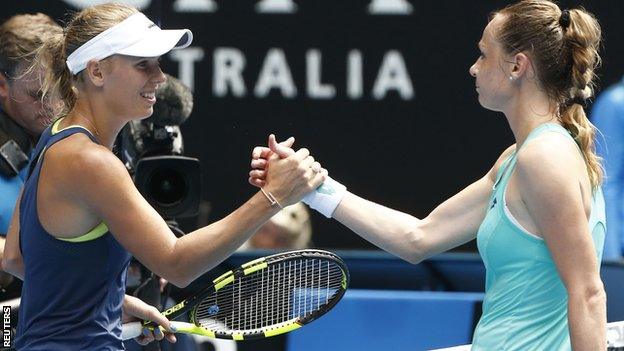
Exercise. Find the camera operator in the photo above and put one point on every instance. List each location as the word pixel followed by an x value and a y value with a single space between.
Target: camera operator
pixel 23 116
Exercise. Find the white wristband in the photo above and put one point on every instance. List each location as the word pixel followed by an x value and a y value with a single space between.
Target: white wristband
pixel 326 197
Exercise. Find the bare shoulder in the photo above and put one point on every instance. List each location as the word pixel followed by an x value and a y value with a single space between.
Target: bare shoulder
pixel 549 160
pixel 553 183
pixel 80 163
pixel 549 152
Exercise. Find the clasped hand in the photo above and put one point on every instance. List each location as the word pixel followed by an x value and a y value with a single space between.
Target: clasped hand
pixel 289 175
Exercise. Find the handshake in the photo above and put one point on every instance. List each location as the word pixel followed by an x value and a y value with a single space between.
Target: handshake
pixel 287 176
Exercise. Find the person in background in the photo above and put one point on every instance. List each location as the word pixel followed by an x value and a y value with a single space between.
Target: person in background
pixel 608 116
pixel 23 117
pixel 289 229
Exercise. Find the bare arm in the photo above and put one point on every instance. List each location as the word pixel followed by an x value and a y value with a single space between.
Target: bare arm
pixel 454 222
pixel 552 194
pixel 2 243
pixel 12 261
pixel 451 224
pixel 106 190
pixel 5 278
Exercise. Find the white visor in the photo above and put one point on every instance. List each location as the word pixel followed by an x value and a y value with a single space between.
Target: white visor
pixel 134 36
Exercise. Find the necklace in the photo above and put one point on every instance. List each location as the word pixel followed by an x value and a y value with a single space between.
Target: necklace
pixel 96 132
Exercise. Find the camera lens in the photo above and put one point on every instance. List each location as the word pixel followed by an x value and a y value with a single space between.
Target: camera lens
pixel 167 187
pixel 172 184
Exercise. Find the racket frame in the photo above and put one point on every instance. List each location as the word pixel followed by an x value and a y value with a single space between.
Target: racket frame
pixel 190 304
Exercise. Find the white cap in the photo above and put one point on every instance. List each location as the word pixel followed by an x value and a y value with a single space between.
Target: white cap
pixel 134 36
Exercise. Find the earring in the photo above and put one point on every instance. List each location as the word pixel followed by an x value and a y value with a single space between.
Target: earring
pixel 511 78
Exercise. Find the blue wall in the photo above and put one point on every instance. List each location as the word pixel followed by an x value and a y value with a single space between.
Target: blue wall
pixel 373 320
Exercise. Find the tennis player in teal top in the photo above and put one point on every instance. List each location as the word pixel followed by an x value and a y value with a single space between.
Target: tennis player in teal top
pixel 538 213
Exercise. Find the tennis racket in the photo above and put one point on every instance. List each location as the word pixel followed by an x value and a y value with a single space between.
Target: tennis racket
pixel 265 297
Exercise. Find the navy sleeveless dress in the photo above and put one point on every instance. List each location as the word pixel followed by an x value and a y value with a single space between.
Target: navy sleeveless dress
pixel 73 290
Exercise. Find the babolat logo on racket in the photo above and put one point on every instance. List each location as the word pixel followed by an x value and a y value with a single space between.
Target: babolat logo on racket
pixel 174 308
pixel 212 310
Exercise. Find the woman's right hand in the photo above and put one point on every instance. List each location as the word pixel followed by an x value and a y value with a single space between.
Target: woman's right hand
pixel 291 175
pixel 260 159
pixel 136 310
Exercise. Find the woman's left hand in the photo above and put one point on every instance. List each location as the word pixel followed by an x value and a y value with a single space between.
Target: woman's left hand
pixel 134 309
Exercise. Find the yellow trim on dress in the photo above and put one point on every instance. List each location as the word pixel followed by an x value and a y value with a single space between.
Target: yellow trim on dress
pixel 55 127
pixel 100 229
pixel 93 234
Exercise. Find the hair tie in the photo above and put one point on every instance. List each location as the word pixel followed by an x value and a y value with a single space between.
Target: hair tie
pixel 579 96
pixel 564 20
pixel 575 100
pixel 579 100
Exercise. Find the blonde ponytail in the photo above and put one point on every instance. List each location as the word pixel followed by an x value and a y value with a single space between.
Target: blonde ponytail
pixel 58 82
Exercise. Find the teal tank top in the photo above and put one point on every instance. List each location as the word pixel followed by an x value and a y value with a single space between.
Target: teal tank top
pixel 525 305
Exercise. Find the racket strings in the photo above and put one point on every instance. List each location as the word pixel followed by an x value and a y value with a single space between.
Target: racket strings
pixel 276 294
pixel 252 286
pixel 221 299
